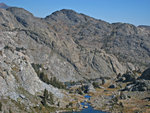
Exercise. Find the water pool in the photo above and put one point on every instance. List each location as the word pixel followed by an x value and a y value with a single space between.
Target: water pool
pixel 87 110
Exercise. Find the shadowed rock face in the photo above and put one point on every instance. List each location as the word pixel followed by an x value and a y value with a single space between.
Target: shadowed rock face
pixel 145 75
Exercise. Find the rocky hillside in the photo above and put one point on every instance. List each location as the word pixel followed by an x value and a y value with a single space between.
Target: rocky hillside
pixel 66 45
pixel 127 42
pixel 3 6
pixel 144 26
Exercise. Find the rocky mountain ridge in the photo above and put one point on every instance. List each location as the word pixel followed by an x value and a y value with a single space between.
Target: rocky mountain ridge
pixel 3 6
pixel 67 45
pixel 145 26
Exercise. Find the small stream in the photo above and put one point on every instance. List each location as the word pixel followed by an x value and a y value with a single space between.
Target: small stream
pixel 89 108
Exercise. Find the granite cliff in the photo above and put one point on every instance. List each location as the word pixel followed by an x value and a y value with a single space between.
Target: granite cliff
pixel 67 45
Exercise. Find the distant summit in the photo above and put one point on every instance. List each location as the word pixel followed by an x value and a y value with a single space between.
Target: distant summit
pixel 3 6
pixel 145 26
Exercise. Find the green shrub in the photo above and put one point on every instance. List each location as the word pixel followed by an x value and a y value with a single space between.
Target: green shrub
pixel 70 104
pixel 45 95
pixel 72 83
pixel 56 83
pixel 6 47
pixel 95 84
pixel 0 106
pixel 84 88
pixel 47 98
pixel 36 67
pixel 79 91
pixel 10 111
pixel 44 77
pixel 44 102
pixel 51 98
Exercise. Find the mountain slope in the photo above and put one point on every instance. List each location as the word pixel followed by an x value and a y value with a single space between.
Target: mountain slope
pixel 126 41
pixel 66 45
pixel 144 26
pixel 3 6
pixel 82 42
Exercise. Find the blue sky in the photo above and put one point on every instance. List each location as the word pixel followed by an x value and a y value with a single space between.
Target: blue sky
pixel 136 12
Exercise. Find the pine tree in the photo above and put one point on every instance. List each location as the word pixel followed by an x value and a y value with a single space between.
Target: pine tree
pixel 45 94
pixel 45 97
pixel 0 106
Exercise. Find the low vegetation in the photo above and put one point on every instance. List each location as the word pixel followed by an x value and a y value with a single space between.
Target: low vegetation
pixel 82 90
pixel 0 106
pixel 56 83
pixel 69 105
pixel 79 91
pixel 44 77
pixel 95 84
pixel 47 98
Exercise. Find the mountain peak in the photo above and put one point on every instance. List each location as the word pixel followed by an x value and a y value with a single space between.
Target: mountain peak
pixel 69 16
pixel 63 12
pixel 3 6
pixel 68 11
pixel 145 27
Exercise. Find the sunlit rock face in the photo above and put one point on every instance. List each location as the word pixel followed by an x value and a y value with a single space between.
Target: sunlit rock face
pixel 69 46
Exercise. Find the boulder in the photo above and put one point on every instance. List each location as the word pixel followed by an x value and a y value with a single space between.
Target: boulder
pixel 121 79
pixel 130 77
pixel 122 96
pixel 112 86
pixel 127 77
pixel 145 75
pixel 91 88
pixel 139 85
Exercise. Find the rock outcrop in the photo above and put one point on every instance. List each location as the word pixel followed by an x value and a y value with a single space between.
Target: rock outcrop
pixel 141 83
pixel 3 6
pixel 145 75
pixel 67 45
pixel 65 59
pixel 16 69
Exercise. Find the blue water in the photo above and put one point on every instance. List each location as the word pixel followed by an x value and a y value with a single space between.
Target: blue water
pixel 89 109
pixel 87 96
